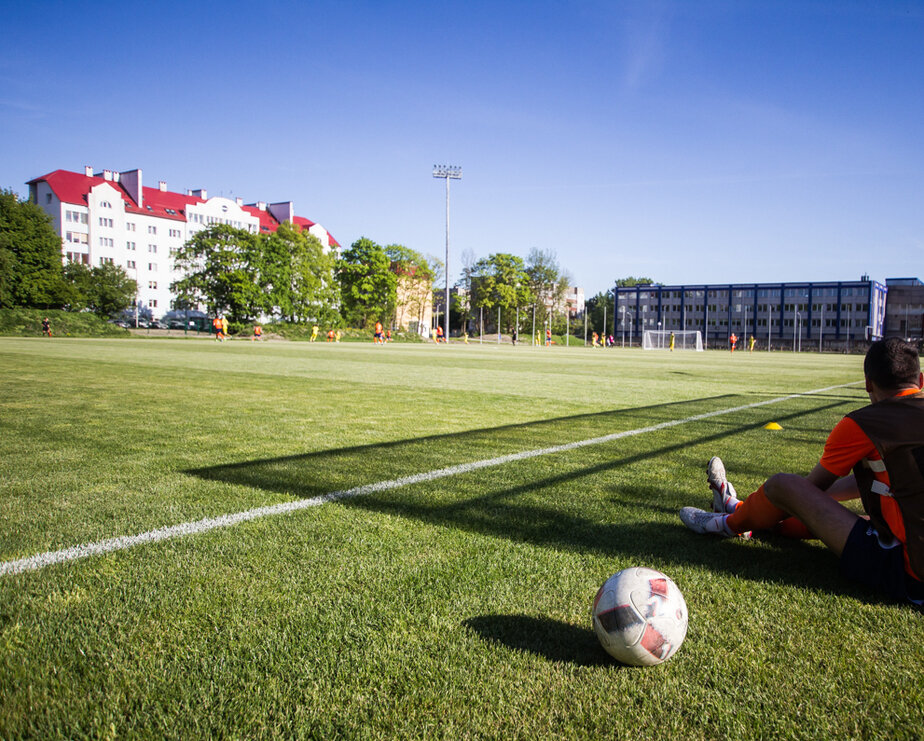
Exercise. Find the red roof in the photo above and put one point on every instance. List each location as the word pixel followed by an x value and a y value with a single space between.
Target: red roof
pixel 72 187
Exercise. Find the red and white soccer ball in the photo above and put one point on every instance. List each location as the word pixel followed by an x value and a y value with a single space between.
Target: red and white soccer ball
pixel 640 617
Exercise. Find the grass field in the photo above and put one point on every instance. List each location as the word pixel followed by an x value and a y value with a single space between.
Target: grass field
pixel 452 607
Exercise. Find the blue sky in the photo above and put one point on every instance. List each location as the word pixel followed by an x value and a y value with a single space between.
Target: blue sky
pixel 688 142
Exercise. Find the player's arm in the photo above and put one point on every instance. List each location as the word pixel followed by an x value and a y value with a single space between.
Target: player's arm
pixel 837 488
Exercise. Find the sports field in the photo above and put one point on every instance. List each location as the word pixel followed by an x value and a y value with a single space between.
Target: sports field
pixel 451 601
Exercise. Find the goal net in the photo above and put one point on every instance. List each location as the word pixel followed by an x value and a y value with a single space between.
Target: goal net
pixel 660 339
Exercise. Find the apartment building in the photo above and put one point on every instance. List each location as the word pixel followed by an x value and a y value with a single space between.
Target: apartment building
pixel 112 217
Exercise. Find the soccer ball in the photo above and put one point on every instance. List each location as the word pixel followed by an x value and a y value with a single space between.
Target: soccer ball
pixel 640 617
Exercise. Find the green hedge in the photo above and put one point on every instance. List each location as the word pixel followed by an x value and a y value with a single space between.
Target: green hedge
pixel 302 332
pixel 21 322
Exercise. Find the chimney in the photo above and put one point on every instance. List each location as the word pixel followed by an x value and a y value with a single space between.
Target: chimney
pixel 261 205
pixel 201 193
pixel 88 171
pixel 131 182
pixel 107 175
pixel 162 186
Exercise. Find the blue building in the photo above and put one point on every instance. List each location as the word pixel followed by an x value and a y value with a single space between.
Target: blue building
pixel 779 314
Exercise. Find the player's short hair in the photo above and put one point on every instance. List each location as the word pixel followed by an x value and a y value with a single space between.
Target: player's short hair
pixel 892 364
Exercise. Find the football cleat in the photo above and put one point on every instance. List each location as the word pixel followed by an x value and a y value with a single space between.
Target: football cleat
pixel 724 496
pixel 705 523
pixel 709 523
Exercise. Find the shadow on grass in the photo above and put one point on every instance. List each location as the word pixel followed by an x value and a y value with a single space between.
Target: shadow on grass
pixel 516 513
pixel 552 639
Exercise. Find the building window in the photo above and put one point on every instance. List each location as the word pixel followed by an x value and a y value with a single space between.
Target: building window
pixel 106 242
pixel 152 284
pixel 152 230
pixel 153 303
pixel 152 248
pixel 48 198
pixel 105 261
pixel 130 264
pixel 105 222
pixel 130 226
pixel 105 204
pixel 174 232
pixel 152 266
pixel 130 245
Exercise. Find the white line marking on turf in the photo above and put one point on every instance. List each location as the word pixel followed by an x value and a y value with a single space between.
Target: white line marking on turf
pixel 41 560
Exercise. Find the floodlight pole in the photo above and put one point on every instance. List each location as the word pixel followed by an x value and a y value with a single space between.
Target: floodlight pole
pixel 450 172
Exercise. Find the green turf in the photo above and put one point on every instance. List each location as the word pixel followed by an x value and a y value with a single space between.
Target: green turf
pixel 455 608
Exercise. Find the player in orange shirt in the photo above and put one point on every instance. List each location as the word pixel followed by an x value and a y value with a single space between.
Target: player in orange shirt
pixel 377 337
pixel 733 340
pixel 883 443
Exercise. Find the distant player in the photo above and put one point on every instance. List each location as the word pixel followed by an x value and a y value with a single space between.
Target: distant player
pixel 314 333
pixel 46 327
pixel 733 340
pixel 548 337
pixel 337 335
pixel 388 335
pixel 439 334
pixel 883 444
pixel 751 343
pixel 224 327
pixel 216 325
pixel 672 342
pixel 377 337
pixel 330 335
pixel 257 332
pixel 595 340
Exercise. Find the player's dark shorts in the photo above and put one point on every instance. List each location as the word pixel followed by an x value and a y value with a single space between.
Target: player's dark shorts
pixel 866 559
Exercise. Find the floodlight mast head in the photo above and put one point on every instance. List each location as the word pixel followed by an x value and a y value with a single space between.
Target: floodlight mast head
pixel 447 171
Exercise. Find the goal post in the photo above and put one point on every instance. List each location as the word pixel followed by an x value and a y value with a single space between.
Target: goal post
pixel 684 339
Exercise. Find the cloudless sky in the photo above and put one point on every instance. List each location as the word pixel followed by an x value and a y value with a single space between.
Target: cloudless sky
pixel 713 141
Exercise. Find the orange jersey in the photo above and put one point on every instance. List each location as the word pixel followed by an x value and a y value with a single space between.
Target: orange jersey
pixel 848 445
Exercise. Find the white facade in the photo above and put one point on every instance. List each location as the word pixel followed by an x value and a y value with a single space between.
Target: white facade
pixel 110 217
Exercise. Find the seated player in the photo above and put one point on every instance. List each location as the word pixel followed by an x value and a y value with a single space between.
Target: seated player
pixel 884 445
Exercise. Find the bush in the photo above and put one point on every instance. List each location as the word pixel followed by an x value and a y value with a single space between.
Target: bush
pixel 19 322
pixel 302 332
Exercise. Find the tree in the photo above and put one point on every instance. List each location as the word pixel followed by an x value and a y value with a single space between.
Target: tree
pixel 106 290
pixel 597 308
pixel 297 276
pixel 222 265
pixel 30 256
pixel 367 284
pixel 546 280
pixel 500 281
pixel 112 290
pixel 630 281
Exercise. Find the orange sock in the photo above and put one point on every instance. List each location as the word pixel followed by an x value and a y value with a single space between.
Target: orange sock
pixel 755 513
pixel 793 527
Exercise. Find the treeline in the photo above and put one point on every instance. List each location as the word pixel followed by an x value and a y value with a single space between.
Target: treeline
pixel 287 275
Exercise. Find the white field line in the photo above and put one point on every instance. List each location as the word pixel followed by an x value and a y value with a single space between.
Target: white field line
pixel 41 560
